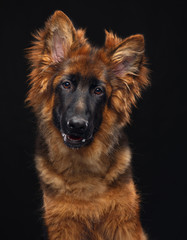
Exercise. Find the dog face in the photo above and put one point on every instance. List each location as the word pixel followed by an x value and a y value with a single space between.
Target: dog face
pixel 78 108
pixel 80 91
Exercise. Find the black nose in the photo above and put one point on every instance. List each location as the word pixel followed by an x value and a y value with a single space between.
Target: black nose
pixel 77 124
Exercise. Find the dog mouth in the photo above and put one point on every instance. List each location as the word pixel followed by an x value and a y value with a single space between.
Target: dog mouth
pixel 75 141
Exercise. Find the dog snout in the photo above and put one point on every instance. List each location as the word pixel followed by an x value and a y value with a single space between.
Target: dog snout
pixel 77 124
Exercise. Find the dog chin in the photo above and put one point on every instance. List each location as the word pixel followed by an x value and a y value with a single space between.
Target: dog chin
pixel 73 141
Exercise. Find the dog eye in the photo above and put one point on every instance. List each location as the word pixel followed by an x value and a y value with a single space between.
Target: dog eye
pixel 66 85
pixel 98 91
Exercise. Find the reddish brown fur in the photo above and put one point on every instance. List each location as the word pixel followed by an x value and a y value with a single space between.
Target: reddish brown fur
pixel 88 193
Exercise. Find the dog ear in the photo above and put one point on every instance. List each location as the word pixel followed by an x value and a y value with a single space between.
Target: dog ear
pixel 60 34
pixel 126 55
pixel 51 45
pixel 128 64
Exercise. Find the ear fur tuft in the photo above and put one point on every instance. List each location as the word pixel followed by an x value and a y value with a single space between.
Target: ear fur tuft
pixel 111 40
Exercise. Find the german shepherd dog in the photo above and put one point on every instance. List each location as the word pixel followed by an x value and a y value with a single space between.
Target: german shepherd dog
pixel 82 98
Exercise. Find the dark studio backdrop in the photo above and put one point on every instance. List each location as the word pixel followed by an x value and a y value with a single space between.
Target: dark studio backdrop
pixel 157 134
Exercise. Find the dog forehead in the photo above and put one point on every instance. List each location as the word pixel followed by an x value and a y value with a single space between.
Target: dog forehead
pixel 85 82
pixel 88 67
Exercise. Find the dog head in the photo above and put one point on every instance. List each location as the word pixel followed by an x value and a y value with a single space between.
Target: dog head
pixel 82 92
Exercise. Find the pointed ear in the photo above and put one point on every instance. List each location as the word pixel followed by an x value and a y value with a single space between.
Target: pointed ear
pixel 60 34
pixel 126 56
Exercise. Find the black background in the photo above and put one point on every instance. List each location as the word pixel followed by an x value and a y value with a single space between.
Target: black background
pixel 157 133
